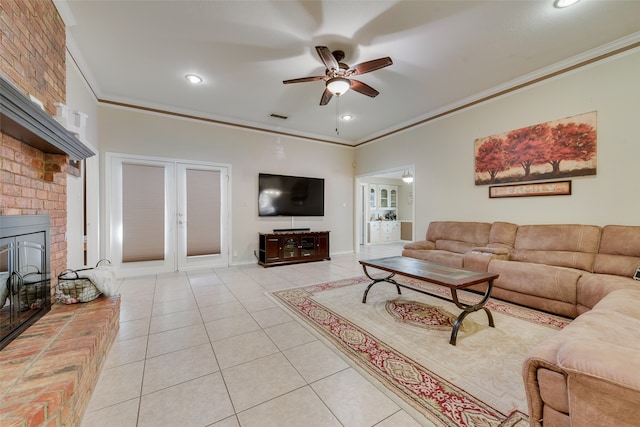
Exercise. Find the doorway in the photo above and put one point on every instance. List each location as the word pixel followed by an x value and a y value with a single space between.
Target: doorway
pixel 371 208
pixel 166 215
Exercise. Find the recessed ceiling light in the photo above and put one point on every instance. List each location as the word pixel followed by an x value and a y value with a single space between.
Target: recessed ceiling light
pixel 193 78
pixel 346 117
pixel 564 3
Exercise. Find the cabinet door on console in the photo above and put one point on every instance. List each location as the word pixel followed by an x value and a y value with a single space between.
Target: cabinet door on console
pixel 272 248
pixel 322 245
pixel 290 247
pixel 307 246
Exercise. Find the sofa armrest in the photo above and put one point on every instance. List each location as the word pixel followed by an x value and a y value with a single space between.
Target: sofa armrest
pixel 530 369
pixel 421 245
pixel 485 250
pixel 602 361
pixel 603 382
pixel 478 259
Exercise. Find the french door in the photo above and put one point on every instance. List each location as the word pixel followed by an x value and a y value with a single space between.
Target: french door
pixel 166 215
pixel 201 238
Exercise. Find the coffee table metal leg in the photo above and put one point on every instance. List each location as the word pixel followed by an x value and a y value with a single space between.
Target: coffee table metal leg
pixel 470 309
pixel 376 280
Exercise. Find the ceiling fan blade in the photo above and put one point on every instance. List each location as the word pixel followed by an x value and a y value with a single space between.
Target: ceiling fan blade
pixel 327 58
pixel 363 88
pixel 326 97
pixel 368 66
pixel 304 79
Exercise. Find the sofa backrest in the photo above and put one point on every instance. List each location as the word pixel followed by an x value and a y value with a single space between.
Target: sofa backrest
pixel 619 251
pixel 458 236
pixel 502 235
pixel 563 245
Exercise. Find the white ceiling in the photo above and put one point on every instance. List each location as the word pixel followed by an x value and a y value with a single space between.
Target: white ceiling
pixel 445 54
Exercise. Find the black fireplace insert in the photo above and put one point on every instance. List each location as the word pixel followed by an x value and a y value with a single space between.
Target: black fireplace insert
pixel 25 284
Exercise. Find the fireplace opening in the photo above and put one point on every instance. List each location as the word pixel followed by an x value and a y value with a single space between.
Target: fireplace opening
pixel 25 282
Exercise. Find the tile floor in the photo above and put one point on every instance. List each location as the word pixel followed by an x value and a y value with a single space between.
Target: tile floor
pixel 209 348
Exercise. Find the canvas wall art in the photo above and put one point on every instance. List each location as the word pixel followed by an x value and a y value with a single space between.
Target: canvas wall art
pixel 556 149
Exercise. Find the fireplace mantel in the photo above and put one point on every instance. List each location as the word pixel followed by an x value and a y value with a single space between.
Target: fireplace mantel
pixel 24 120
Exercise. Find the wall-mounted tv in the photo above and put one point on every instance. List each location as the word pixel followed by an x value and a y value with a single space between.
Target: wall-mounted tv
pixel 282 195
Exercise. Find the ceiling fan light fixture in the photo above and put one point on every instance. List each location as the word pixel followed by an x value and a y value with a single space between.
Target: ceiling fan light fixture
pixel 338 85
pixel 193 78
pixel 560 4
pixel 407 177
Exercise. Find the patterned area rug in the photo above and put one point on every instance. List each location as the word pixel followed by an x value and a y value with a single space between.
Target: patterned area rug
pixel 402 341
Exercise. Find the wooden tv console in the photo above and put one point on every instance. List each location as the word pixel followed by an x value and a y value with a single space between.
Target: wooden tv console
pixel 291 247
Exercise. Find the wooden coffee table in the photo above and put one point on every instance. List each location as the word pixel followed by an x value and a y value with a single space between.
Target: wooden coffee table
pixel 452 278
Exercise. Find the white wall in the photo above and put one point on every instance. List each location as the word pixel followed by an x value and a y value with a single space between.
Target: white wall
pixel 130 131
pixel 443 152
pixel 80 98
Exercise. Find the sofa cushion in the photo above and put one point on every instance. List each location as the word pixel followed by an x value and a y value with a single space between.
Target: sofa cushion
pixel 603 326
pixel 550 282
pixel 476 233
pixel 502 235
pixel 451 259
pixel 619 265
pixel 620 240
pixel 420 245
pixel 592 288
pixel 623 301
pixel 602 360
pixel 549 305
pixel 454 246
pixel 619 251
pixel 564 245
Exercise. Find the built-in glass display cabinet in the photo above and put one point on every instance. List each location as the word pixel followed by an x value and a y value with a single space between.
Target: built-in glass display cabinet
pixel 393 198
pixel 384 197
pixel 383 213
pixel 373 197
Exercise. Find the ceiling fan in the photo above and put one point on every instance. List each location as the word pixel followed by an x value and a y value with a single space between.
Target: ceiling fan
pixel 338 75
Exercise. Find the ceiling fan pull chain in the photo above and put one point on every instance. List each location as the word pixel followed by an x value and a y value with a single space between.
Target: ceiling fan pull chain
pixel 337 115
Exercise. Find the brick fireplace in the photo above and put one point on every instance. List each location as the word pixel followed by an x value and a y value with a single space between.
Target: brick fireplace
pixel 34 181
pixel 34 147
pixel 49 371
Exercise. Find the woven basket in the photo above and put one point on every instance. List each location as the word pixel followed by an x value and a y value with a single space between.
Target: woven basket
pixel 72 289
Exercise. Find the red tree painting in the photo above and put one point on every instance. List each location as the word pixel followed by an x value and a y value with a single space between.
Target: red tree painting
pixel 490 157
pixel 554 149
pixel 572 141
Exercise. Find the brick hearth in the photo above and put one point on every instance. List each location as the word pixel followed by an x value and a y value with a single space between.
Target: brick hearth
pixel 49 372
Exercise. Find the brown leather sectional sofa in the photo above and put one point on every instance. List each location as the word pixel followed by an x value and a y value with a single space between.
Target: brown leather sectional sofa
pixel 588 373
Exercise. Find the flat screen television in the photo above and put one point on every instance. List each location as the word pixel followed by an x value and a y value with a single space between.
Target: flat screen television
pixel 282 195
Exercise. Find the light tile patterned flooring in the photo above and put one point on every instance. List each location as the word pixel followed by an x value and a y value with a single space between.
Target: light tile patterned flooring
pixel 209 348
